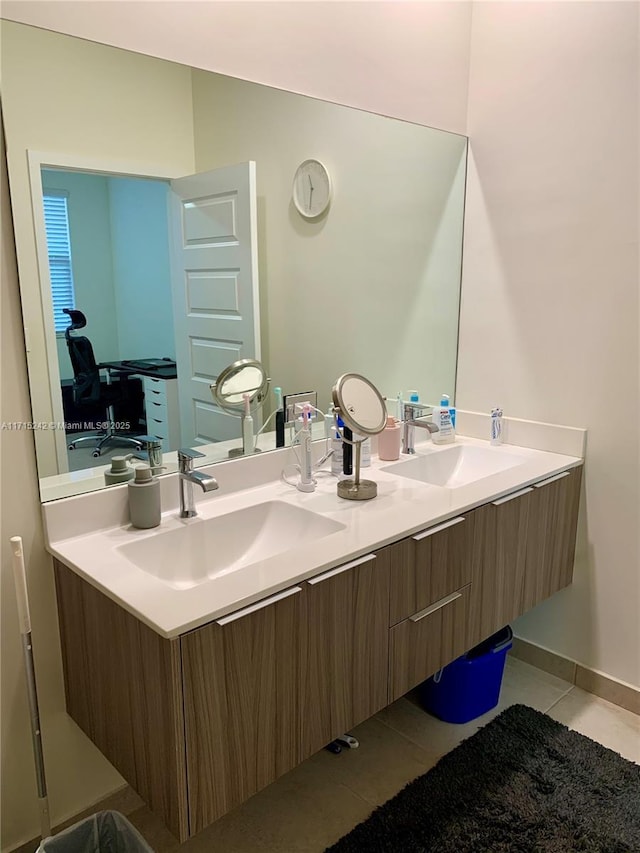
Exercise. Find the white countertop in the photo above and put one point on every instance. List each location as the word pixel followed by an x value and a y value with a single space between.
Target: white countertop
pixel 402 507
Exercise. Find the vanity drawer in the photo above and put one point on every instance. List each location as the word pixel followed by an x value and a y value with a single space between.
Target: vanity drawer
pixel 427 641
pixel 435 562
pixel 156 409
pixel 155 389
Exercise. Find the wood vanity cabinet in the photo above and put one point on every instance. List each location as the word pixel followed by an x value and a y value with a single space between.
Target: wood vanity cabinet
pixel 241 680
pixel 429 602
pixel 525 549
pixel 199 723
pixel 345 673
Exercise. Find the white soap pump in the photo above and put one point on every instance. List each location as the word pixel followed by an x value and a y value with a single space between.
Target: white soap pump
pixel 144 499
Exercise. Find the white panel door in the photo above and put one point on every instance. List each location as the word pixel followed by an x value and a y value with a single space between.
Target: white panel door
pixel 215 291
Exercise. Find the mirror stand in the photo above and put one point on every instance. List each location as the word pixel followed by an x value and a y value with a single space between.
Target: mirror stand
pixel 363 411
pixel 357 489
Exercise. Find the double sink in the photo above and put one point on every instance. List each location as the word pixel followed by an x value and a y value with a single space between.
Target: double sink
pixel 208 548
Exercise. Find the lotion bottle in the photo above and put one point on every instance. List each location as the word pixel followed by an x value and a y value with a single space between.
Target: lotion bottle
pixel 441 417
pixel 144 499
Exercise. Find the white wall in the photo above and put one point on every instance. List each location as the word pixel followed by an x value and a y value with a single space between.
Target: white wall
pixel 549 324
pixel 141 268
pixel 373 286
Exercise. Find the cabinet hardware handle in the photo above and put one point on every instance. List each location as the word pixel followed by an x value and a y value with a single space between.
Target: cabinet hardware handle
pixel 437 528
pixel 512 496
pixel 258 606
pixel 551 480
pixel 153 403
pixel 338 571
pixel 436 606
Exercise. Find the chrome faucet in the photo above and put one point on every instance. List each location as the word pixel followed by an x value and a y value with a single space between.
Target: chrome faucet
pixel 412 412
pixel 187 477
pixel 153 446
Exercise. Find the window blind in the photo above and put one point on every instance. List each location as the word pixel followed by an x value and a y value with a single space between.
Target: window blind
pixel 56 218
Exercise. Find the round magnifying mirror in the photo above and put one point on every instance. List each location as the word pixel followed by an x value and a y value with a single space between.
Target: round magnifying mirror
pixel 361 407
pixel 245 376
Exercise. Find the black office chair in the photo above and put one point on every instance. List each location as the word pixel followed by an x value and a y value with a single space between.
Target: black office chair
pixel 88 391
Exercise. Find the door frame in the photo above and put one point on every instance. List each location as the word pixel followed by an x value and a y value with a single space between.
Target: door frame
pixel 46 401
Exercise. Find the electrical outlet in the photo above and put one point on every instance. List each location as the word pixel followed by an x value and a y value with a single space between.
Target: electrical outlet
pixel 293 404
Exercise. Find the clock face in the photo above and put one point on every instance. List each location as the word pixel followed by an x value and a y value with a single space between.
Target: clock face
pixel 311 189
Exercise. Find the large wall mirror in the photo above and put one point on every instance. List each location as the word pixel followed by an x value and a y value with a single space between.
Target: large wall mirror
pixel 117 146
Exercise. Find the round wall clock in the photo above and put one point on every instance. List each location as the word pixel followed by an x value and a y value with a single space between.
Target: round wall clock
pixel 311 189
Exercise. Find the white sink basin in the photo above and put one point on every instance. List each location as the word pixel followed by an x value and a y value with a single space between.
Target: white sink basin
pixel 456 466
pixel 208 548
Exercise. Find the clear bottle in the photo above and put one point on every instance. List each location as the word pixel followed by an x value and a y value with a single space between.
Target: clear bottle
pixel 144 499
pixel 365 449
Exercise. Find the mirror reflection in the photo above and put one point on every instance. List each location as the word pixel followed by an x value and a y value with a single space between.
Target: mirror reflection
pixel 171 293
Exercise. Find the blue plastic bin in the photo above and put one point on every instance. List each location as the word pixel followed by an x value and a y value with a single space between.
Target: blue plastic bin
pixel 470 685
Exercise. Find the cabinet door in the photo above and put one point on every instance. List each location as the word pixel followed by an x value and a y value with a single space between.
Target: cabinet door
pixel 430 565
pixel 427 641
pixel 242 704
pixel 345 675
pixel 499 564
pixel 551 536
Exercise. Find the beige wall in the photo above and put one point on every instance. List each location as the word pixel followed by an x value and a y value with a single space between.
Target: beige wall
pixel 400 58
pixel 148 121
pixel 77 774
pixel 549 324
pixel 373 287
pixel 110 107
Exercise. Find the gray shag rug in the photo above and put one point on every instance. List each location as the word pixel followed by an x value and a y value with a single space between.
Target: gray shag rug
pixel 522 784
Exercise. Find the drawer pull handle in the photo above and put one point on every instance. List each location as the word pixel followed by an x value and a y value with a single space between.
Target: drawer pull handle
pixel 153 403
pixel 338 571
pixel 438 605
pixel 551 480
pixel 239 614
pixel 512 497
pixel 432 530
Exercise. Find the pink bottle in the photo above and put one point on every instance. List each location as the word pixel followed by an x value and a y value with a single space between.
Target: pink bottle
pixel 390 439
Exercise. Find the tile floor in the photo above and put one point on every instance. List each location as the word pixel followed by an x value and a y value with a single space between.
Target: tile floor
pixel 326 796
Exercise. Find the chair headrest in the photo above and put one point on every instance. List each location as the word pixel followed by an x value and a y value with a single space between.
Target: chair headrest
pixel 78 320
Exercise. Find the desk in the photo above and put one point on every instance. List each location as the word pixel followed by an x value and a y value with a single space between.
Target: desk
pixel 159 368
pixel 160 386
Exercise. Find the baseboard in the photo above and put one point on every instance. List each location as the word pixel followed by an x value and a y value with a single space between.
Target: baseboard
pixel 124 800
pixel 616 692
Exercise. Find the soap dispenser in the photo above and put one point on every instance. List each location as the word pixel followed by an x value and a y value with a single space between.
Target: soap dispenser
pixel 144 499
pixel 120 471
